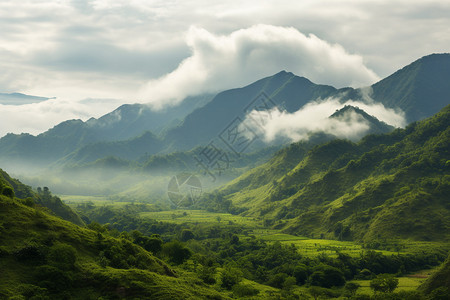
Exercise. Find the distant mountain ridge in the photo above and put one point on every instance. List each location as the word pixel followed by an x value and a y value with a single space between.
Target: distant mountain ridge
pixel 20 99
pixel 420 89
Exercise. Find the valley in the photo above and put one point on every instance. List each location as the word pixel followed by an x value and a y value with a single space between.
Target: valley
pixel 280 189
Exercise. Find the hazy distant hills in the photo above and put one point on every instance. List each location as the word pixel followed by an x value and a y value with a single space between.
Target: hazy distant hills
pixel 19 99
pixel 394 185
pixel 420 89
pixel 128 122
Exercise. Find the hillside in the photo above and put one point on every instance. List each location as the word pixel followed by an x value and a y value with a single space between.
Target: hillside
pixel 439 282
pixel 420 89
pixel 386 186
pixel 43 256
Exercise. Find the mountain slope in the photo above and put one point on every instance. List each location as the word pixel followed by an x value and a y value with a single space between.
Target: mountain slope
pixel 439 282
pixel 44 257
pixel 393 185
pixel 206 123
pixel 420 89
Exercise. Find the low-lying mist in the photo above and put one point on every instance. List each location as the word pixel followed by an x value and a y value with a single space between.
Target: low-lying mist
pixel 314 117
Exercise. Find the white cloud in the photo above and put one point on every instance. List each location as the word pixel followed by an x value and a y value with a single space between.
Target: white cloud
pixel 78 49
pixel 222 62
pixel 314 118
pixel 38 117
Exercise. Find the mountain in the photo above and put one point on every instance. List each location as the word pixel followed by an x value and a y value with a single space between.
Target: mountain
pixel 283 90
pixel 394 185
pixel 375 125
pixel 130 149
pixel 19 99
pixel 420 89
pixel 125 123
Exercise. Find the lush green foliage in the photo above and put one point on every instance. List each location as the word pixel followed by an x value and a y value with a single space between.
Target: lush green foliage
pixel 386 186
pixel 48 258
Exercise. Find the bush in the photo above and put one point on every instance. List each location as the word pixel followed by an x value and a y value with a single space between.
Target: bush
pixel 244 290
pixel 62 256
pixel 277 280
pixel 176 252
pixel 53 278
pixel 440 293
pixel 31 254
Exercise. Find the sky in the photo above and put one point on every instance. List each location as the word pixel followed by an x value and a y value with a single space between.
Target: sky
pixel 91 56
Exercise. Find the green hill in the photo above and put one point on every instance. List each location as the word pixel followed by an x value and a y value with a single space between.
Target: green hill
pixel 386 186
pixel 44 257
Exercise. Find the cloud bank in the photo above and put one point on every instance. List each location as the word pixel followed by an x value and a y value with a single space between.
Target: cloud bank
pixel 314 118
pixel 38 117
pixel 221 62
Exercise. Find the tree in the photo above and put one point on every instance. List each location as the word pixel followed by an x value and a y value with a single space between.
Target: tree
pixel 176 252
pixel 289 282
pixel 385 283
pixel 186 235
pixel 8 192
pixel 350 289
pixel 327 276
pixel 301 273
pixel 316 292
pixel 230 276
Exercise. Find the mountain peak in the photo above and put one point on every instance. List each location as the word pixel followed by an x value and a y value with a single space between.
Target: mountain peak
pixel 420 89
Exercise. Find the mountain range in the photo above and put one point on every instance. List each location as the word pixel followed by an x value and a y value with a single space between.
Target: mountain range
pixel 133 131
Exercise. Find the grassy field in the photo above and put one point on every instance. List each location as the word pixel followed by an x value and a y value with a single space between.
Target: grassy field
pixel 306 246
pixel 405 283
pixel 200 216
pixel 74 200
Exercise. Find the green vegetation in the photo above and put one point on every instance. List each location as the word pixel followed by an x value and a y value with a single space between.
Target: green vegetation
pixel 44 256
pixel 392 186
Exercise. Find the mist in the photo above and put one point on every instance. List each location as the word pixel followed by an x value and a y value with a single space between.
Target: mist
pixel 314 117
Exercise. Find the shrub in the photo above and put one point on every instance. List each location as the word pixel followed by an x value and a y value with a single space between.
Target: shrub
pixel 244 290
pixel 62 256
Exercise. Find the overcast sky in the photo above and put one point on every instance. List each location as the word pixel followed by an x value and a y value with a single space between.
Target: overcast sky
pixel 95 55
